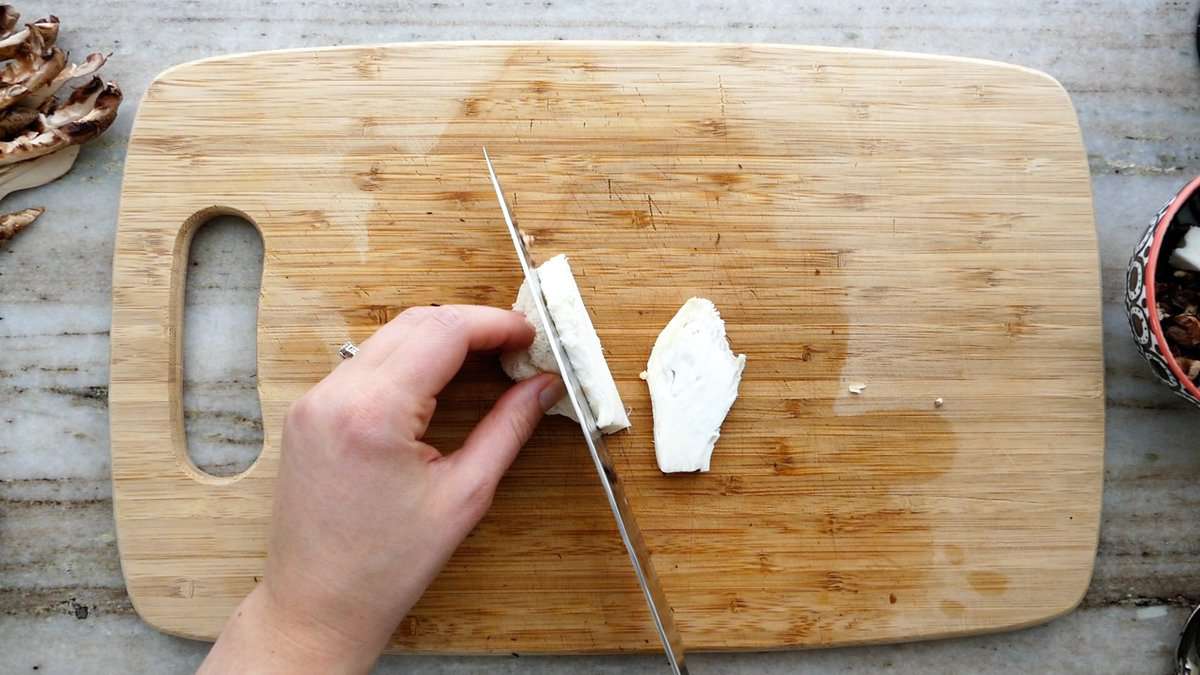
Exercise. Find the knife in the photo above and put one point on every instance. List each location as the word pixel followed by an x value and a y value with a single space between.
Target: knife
pixel 639 555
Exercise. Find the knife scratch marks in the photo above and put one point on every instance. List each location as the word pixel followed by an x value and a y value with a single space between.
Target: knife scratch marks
pixel 724 99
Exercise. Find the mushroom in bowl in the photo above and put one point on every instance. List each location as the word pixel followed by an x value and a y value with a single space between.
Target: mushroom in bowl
pixel 1162 294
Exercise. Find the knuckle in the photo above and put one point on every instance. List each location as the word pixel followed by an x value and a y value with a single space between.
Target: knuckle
pixel 300 412
pixel 447 318
pixel 306 413
pixel 421 410
pixel 413 313
pixel 356 422
pixel 479 491
pixel 520 427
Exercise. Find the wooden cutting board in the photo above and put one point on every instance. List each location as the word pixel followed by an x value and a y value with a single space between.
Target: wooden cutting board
pixel 922 225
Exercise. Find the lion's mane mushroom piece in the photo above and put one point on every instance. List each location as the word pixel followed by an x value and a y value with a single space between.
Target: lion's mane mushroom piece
pixel 84 115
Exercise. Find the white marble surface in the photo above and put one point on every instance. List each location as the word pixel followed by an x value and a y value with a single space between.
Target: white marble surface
pixel 1132 72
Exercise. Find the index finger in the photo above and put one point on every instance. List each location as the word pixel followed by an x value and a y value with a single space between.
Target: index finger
pixel 434 347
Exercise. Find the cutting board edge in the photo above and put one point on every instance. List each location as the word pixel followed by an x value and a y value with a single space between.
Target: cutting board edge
pixel 770 46
pixel 169 628
pixel 177 629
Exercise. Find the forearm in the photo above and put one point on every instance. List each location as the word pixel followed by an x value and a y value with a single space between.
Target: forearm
pixel 260 638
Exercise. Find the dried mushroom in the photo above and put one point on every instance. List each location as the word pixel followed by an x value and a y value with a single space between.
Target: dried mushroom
pixel 83 116
pixel 35 172
pixel 41 96
pixel 1177 296
pixel 40 134
pixel 43 32
pixel 1184 330
pixel 12 223
pixel 8 19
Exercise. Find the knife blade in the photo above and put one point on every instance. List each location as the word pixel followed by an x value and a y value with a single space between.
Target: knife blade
pixel 631 535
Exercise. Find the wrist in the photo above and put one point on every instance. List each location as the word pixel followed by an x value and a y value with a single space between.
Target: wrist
pixel 264 637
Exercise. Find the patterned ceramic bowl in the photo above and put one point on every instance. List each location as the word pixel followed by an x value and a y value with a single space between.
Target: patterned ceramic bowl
pixel 1160 238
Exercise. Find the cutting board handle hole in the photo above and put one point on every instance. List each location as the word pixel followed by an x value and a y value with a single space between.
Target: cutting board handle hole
pixel 222 413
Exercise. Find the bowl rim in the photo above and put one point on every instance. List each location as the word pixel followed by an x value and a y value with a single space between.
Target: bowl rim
pixel 1150 276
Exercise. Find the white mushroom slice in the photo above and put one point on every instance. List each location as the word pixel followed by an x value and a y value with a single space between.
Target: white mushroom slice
pixel 693 377
pixel 579 340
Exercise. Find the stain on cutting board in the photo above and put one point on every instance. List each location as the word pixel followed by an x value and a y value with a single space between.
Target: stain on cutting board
pixel 875 457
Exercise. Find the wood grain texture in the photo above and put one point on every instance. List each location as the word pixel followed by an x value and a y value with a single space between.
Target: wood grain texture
pixel 919 224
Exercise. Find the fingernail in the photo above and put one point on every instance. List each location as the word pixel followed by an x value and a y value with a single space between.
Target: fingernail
pixel 552 393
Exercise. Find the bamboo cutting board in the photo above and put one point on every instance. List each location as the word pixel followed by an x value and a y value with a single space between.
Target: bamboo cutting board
pixel 918 224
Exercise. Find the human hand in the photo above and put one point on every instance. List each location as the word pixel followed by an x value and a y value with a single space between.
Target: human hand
pixel 365 512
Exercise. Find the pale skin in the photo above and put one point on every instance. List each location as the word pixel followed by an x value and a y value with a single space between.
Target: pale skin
pixel 365 512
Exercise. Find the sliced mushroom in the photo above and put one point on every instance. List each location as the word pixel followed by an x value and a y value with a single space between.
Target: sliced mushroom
pixel 84 115
pixel 46 30
pixel 12 223
pixel 91 97
pixel 43 96
pixel 1185 331
pixel 30 71
pixel 40 136
pixel 37 172
pixel 43 30
pixel 16 119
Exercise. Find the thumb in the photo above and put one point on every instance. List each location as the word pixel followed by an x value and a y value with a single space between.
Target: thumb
pixel 494 443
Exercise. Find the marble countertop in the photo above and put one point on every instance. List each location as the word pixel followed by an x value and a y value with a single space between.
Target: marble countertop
pixel 1130 67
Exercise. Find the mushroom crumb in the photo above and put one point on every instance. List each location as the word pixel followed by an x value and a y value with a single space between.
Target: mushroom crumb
pixel 938 402
pixel 857 388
